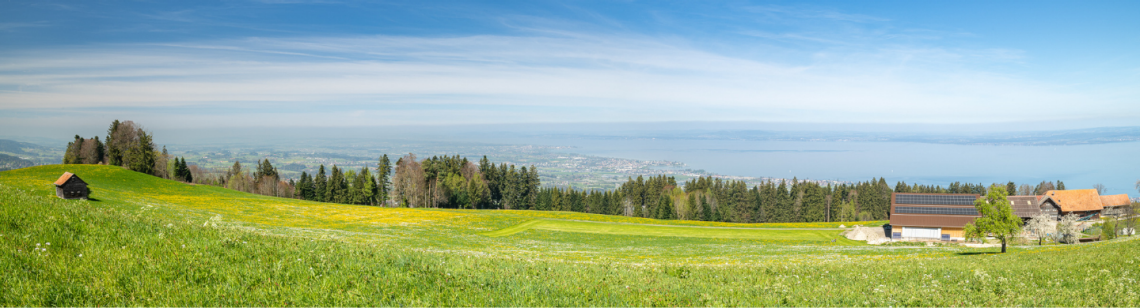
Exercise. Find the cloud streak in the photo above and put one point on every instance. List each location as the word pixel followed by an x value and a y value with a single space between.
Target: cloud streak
pixel 557 76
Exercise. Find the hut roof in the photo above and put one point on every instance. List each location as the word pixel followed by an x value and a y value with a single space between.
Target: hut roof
pixel 1115 200
pixel 63 179
pixel 1076 200
pixel 1024 206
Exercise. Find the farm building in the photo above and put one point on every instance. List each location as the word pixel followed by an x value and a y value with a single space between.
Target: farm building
pixel 1025 206
pixel 1082 202
pixel 70 186
pixel 1115 204
pixel 931 216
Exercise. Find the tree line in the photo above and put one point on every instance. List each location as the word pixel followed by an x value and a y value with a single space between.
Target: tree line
pixel 437 182
pixel 456 182
pixel 130 146
pixel 959 188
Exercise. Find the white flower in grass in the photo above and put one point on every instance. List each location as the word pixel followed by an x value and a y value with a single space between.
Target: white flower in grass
pixel 49 243
pixel 80 255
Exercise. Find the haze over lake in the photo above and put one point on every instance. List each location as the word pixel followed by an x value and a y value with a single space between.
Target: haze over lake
pixel 1079 166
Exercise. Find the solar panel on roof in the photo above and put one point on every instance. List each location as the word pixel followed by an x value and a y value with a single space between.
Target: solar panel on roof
pixel 935 210
pixel 935 199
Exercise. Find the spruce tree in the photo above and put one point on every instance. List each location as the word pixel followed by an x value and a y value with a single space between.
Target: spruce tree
pixel 114 154
pixel 142 155
pixel 320 185
pixel 383 181
pixel 189 175
pixel 332 193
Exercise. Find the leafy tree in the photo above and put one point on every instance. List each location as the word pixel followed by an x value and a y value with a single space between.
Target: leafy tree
pixel 1011 188
pixel 1068 229
pixel 706 210
pixel 847 212
pixel 997 218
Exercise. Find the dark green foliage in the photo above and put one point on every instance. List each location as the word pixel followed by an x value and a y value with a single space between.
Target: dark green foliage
pixel 320 185
pixel 304 187
pixel 142 155
pixel 182 171
pixel 71 155
pixel 383 179
pixel 336 188
pixel 114 152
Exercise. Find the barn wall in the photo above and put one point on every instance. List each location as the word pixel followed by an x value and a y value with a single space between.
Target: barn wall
pixel 954 232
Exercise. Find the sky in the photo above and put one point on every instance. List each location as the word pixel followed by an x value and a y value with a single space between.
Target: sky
pixel 206 64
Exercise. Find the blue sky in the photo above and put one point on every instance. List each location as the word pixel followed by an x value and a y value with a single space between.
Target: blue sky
pixel 286 63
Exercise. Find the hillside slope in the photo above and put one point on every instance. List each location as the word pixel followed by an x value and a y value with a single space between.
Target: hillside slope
pixel 153 242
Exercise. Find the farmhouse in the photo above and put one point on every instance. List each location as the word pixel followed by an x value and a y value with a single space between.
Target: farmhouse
pixel 931 216
pixel 1025 206
pixel 1115 204
pixel 70 186
pixel 1082 202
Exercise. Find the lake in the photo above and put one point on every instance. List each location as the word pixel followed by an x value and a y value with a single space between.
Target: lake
pixel 1079 166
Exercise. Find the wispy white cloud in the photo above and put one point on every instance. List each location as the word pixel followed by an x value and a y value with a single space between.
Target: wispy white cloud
pixel 560 78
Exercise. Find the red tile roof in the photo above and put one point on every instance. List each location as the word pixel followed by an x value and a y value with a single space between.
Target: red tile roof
pixel 63 179
pixel 1115 200
pixel 1077 200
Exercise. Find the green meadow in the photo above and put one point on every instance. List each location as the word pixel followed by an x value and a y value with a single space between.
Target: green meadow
pixel 144 241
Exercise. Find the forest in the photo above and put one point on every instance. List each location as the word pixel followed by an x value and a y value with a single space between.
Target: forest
pixel 456 182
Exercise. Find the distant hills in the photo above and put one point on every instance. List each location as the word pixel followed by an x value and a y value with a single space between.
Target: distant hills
pixel 34 154
pixel 16 147
pixel 9 162
pixel 1027 138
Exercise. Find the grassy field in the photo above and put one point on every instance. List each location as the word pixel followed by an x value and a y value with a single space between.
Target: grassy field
pixel 813 236
pixel 153 242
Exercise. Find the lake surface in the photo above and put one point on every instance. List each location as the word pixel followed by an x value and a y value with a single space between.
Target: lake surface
pixel 1116 165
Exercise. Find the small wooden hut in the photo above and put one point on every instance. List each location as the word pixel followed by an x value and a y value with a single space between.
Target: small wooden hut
pixel 70 186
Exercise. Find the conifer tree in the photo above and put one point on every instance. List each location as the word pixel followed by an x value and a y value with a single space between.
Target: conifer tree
pixel 320 185
pixel 383 179
pixel 332 188
pixel 142 154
